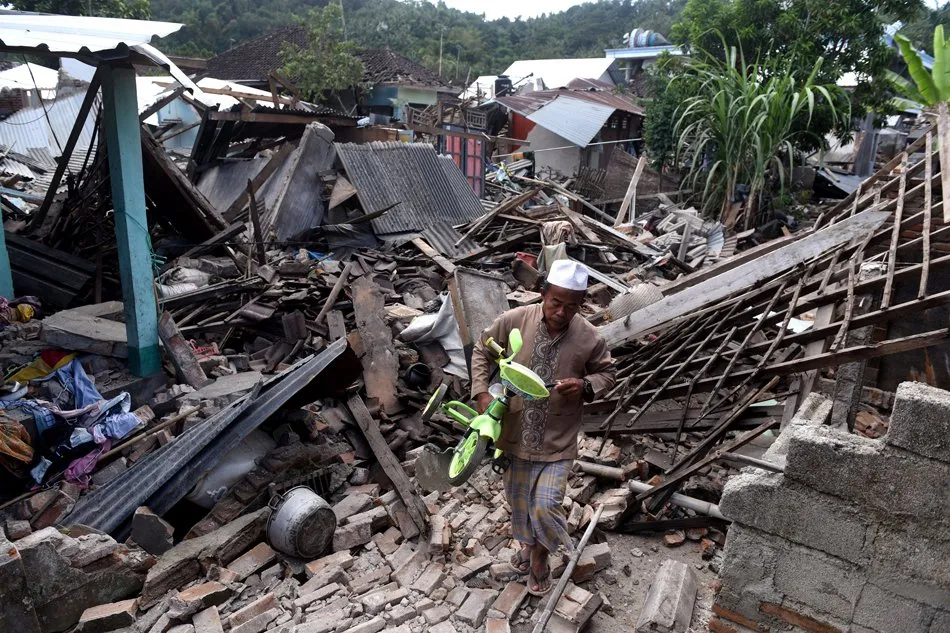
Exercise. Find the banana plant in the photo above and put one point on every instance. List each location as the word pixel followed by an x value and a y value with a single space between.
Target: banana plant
pixel 928 89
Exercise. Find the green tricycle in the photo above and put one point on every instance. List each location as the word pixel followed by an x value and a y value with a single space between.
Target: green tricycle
pixel 453 466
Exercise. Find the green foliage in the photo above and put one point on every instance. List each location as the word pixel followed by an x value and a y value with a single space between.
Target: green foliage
pixel 928 89
pixel 328 63
pixel 741 124
pixel 412 28
pixel 845 34
pixel 134 9
pixel 665 97
pixel 919 30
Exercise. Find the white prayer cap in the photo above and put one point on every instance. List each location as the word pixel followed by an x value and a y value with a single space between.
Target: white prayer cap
pixel 566 273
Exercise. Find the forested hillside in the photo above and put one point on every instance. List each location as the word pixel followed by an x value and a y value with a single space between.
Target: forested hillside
pixel 413 28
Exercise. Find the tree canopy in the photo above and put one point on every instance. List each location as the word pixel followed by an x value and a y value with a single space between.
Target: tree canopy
pixel 133 9
pixel 328 62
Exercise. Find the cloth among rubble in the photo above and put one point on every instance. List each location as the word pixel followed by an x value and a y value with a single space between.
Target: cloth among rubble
pixel 443 328
pixel 555 238
pixel 16 451
pixel 19 310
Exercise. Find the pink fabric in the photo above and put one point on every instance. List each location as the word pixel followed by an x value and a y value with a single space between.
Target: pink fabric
pixel 80 469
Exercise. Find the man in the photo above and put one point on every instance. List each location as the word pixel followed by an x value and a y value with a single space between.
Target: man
pixel 540 436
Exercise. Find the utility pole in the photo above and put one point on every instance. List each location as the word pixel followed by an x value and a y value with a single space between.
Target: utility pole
pixel 441 32
pixel 343 19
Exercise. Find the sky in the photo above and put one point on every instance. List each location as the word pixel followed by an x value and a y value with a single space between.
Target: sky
pixel 496 9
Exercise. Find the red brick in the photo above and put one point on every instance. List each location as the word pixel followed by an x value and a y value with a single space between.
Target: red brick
pixel 797 619
pixel 248 563
pixel 511 599
pixel 738 619
pixel 108 617
pixel 674 538
pixel 495 625
pixel 343 560
pixel 209 594
pixel 251 611
pixel 718 626
pixel 207 621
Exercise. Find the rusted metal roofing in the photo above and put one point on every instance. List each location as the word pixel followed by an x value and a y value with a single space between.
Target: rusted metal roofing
pixel 412 175
pixel 526 104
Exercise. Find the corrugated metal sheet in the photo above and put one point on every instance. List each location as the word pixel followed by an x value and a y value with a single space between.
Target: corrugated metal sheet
pixel 443 237
pixel 29 128
pixel 576 120
pixel 10 166
pixel 73 34
pixel 556 73
pixel 29 77
pixel 410 174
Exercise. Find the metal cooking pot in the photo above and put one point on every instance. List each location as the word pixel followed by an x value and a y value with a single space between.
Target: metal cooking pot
pixel 301 524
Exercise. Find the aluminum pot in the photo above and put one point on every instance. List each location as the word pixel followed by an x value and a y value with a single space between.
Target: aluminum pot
pixel 301 523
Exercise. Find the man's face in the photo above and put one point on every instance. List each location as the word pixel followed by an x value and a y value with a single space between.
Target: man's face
pixel 559 306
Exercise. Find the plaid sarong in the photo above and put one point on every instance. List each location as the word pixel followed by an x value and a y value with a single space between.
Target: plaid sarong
pixel 535 492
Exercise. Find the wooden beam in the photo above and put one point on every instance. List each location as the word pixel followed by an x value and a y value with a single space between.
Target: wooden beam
pixel 629 199
pixel 288 119
pixel 943 139
pixel 161 103
pixel 744 277
pixel 434 255
pixel 388 462
pixel 92 93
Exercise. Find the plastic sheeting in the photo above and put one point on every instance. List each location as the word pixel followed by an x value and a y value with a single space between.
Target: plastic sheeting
pixel 441 327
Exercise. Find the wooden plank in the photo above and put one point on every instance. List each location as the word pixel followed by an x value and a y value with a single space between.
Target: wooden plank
pixel 380 363
pixel 181 354
pixel 503 207
pixel 928 202
pixel 334 293
pixel 502 245
pixel 434 255
pixel 92 92
pixel 161 103
pixel 336 325
pixel 388 462
pixel 895 238
pixel 629 199
pixel 746 276
pixel 943 139
pixel 257 245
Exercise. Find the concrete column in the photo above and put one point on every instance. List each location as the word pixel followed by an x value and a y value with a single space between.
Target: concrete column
pixel 123 139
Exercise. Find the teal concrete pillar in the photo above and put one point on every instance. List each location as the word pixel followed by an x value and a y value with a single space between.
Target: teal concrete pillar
pixel 120 118
pixel 6 277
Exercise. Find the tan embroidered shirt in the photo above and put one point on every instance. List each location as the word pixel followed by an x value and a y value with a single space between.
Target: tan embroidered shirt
pixel 545 430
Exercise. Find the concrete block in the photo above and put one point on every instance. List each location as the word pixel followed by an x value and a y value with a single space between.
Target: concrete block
pixel 826 584
pixel 920 422
pixel 18 529
pixel 941 622
pixel 439 613
pixel 668 606
pixel 884 611
pixel 320 594
pixel 472 567
pixel 108 617
pixel 771 503
pixel 400 615
pixel 814 411
pixel 411 569
pixel 497 625
pixel 891 482
pixel 370 580
pixel 353 534
pixel 913 550
pixel 151 532
pixel 443 627
pixel 207 594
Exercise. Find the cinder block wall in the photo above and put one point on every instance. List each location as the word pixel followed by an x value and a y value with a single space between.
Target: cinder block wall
pixel 854 537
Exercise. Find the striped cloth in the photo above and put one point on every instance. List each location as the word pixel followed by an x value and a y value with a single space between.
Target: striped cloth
pixel 535 492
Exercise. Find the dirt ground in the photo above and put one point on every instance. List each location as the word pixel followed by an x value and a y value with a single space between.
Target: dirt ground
pixel 626 593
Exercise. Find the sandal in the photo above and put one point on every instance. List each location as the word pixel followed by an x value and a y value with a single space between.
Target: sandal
pixel 520 563
pixel 544 578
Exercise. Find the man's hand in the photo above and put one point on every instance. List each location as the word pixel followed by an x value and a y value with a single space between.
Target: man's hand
pixel 570 386
pixel 482 401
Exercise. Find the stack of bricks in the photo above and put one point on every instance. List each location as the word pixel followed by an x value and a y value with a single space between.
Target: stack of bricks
pixel 853 537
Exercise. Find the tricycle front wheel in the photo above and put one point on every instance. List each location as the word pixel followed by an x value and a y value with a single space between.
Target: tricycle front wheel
pixel 467 457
